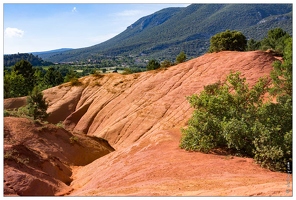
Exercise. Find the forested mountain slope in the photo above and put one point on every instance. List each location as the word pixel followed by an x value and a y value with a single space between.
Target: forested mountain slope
pixel 167 32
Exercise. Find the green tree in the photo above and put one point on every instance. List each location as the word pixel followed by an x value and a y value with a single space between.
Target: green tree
pixel 71 75
pixel 181 57
pixel 228 41
pixel 37 105
pixel 53 77
pixel 13 85
pixel 25 69
pixel 273 147
pixel 153 64
pixel 166 64
pixel 275 40
pixel 253 45
pixel 282 72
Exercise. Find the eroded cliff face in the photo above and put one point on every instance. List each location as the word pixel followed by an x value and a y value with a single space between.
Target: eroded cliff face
pixel 38 157
pixel 124 108
pixel 141 115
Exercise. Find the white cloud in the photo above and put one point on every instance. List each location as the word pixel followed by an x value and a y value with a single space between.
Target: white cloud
pixel 13 32
pixel 127 13
pixel 74 9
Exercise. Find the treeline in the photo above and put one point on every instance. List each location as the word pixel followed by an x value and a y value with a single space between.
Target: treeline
pixel 236 41
pixel 11 60
pixel 23 77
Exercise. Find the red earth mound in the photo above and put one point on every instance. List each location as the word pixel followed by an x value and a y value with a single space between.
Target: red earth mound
pixel 141 115
pixel 38 157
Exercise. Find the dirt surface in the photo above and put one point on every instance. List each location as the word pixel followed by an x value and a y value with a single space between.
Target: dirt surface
pixel 162 169
pixel 141 115
pixel 38 157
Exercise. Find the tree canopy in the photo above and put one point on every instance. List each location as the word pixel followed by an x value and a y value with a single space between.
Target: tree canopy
pixel 275 40
pixel 228 41
pixel 181 57
pixel 153 64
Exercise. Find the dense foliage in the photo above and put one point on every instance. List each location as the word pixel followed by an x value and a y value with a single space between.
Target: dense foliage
pixel 20 79
pixel 275 40
pixel 228 41
pixel 37 105
pixel 10 60
pixel 232 115
pixel 153 64
pixel 181 57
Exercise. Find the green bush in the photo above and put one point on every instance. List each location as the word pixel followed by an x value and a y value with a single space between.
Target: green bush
pixel 152 65
pixel 75 81
pixel 275 40
pixel 60 125
pixel 233 116
pixel 165 64
pixel 97 74
pixel 228 41
pixel 181 57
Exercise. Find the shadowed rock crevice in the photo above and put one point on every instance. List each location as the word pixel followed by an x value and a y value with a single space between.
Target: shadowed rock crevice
pixel 38 157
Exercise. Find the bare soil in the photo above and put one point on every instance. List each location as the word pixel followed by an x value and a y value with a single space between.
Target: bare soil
pixel 140 116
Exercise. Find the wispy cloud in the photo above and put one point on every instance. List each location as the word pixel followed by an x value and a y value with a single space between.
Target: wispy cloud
pixel 13 32
pixel 127 13
pixel 74 9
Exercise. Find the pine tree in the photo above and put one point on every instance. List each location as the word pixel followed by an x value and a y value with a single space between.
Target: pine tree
pixel 37 105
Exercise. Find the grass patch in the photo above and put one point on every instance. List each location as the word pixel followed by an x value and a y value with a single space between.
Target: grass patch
pixel 14 155
pixel 97 74
pixel 75 82
pixel 73 139
pixel 60 125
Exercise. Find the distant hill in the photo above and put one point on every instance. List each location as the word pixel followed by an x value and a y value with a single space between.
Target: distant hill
pixel 12 59
pixel 46 54
pixel 167 32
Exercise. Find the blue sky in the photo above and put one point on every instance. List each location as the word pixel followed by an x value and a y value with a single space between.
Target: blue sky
pixel 40 27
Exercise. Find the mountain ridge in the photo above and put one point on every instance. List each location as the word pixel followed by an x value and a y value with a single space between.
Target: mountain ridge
pixel 163 34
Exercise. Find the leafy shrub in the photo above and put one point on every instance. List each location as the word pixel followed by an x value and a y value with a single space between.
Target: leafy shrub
pixel 165 64
pixel 73 139
pixel 127 71
pixel 14 155
pixel 233 116
pixel 97 74
pixel 152 64
pixel 228 41
pixel 253 45
pixel 6 113
pixel 60 125
pixel 75 81
pixel 20 112
pixel 181 57
pixel 275 40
